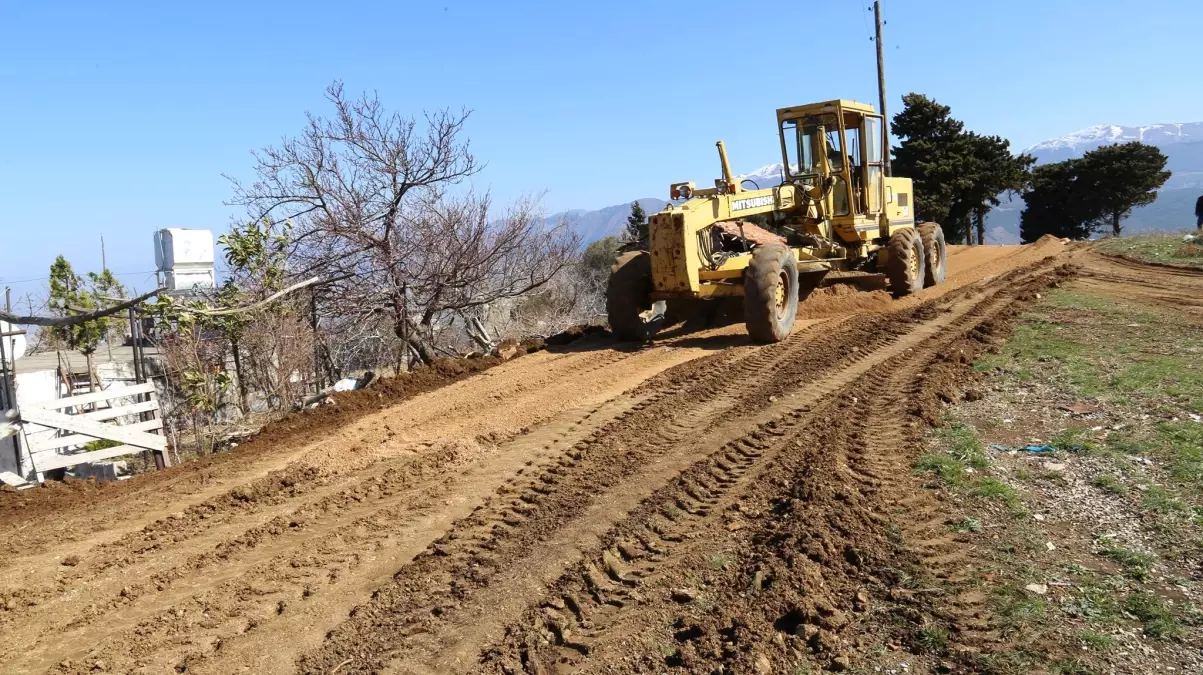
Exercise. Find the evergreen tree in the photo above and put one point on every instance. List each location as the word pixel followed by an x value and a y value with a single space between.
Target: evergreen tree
pixel 636 224
pixel 69 295
pixel 995 171
pixel 936 154
pixel 958 175
pixel 1078 197
pixel 1057 204
pixel 1122 177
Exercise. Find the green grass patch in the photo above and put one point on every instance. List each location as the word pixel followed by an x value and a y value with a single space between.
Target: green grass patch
pixel 933 639
pixel 1074 440
pixel 1099 642
pixel 1099 349
pixel 1182 444
pixel 1154 614
pixel 948 468
pixel 1109 483
pixel 1136 564
pixel 992 488
pixel 967 525
pixel 1162 501
pixel 961 442
pixel 1018 609
pixel 1096 603
pixel 1158 248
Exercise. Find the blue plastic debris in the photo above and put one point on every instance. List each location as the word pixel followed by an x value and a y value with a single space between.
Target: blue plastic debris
pixel 1027 448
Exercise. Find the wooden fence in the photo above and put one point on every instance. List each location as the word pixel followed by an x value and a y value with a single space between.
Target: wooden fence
pixel 100 424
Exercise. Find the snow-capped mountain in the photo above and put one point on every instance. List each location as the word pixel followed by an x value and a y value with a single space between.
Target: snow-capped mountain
pixel 767 176
pixel 1080 142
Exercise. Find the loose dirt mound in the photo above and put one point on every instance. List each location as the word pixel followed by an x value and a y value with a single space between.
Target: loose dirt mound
pixel 843 299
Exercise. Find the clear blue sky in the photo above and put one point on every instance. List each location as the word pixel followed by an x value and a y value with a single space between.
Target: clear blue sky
pixel 120 118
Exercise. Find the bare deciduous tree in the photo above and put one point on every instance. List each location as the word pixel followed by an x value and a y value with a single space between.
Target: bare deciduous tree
pixel 377 195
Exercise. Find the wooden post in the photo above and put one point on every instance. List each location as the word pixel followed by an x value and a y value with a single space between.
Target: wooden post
pixel 409 359
pixel 317 353
pixel 881 86
pixel 238 374
pixel 134 344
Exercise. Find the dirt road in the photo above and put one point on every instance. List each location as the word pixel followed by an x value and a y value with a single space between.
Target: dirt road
pixel 592 507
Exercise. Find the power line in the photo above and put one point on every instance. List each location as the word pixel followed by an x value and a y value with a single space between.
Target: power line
pixel 33 279
pixel 865 20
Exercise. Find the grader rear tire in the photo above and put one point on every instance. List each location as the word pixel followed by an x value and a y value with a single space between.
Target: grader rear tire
pixel 934 253
pixel 771 293
pixel 905 262
pixel 632 314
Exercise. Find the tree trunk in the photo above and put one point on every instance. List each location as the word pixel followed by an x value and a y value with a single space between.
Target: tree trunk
pixel 980 217
pixel 242 406
pixel 413 337
pixel 1115 225
pixel 91 380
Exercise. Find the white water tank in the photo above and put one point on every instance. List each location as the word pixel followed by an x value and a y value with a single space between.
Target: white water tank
pixel 184 259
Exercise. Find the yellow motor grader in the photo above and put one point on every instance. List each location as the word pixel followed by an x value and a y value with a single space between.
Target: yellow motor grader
pixel 835 211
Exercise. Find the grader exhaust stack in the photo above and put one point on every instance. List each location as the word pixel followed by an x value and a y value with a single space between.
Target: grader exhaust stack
pixel 835 211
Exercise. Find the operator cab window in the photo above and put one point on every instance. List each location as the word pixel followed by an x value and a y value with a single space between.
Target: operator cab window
pixel 835 155
pixel 853 146
pixel 799 148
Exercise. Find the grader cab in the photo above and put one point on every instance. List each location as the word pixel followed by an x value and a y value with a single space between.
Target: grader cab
pixel 835 211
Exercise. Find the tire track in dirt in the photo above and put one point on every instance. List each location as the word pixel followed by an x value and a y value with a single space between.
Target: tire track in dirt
pixel 408 614
pixel 526 553
pixel 599 603
pixel 157 591
pixel 1162 285
pixel 377 507
pixel 138 629
pixel 168 549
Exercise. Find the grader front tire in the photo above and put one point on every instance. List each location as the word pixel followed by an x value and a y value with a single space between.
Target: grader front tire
pixel 771 293
pixel 629 307
pixel 905 262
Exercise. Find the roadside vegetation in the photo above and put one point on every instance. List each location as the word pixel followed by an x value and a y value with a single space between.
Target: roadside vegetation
pixel 1077 478
pixel 1165 248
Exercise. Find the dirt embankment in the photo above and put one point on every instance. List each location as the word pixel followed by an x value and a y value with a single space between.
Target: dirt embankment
pixel 538 515
pixel 341 409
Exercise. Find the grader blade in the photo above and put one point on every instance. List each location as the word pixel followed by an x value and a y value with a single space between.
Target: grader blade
pixel 862 281
pixel 809 280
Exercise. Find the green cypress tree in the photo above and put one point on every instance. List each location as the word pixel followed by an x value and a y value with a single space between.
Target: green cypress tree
pixel 636 224
pixel 1120 178
pixel 1056 204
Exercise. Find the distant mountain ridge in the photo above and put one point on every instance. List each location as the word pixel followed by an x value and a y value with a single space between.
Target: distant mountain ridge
pixel 1182 142
pixel 604 222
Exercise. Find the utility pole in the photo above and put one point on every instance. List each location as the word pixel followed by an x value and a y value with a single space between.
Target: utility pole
pixel 881 86
pixel 104 265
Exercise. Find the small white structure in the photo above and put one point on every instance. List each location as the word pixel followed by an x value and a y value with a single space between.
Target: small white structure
pixel 14 345
pixel 184 259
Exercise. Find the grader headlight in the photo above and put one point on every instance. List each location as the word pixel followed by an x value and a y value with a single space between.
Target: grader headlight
pixel 681 190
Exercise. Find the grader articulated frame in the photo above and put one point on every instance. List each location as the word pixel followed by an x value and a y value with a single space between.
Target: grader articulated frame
pixel 835 210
